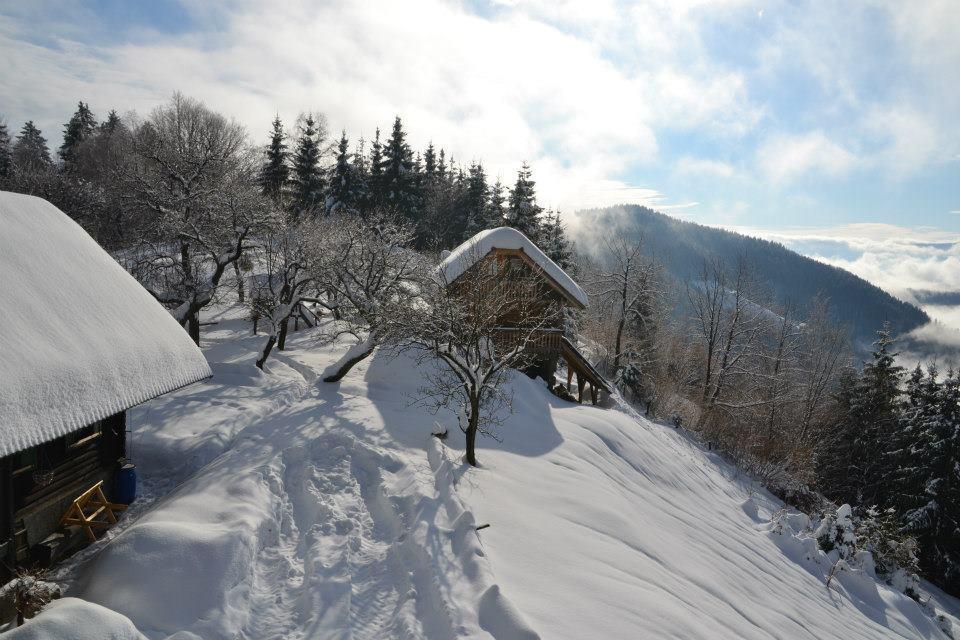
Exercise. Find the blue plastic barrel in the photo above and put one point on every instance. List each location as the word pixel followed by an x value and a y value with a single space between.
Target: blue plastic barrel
pixel 127 483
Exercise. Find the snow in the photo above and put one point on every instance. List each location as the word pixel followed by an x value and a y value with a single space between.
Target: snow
pixel 77 620
pixel 476 248
pixel 279 506
pixel 80 338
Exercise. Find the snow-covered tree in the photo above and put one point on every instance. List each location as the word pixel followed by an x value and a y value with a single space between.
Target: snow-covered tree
pixel 554 241
pixel 523 212
pixel 275 172
pixel 285 253
pixel 6 158
pixel 375 187
pixel 399 188
pixel 307 177
pixel 30 152
pixel 930 479
pixel 194 185
pixel 367 273
pixel 345 192
pixel 80 127
pixel 461 324
pixel 475 201
pixel 496 208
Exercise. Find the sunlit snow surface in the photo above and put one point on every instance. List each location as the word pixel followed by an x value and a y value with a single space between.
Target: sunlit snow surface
pixel 279 506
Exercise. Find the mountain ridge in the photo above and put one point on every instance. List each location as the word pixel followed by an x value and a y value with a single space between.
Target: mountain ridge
pixel 682 246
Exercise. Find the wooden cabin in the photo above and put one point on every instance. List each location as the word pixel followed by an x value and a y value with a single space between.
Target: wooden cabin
pixel 514 257
pixel 81 342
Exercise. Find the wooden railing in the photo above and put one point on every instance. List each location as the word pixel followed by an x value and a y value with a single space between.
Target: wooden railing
pixel 543 341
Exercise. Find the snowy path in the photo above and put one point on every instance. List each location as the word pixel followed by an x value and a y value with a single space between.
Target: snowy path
pixel 291 514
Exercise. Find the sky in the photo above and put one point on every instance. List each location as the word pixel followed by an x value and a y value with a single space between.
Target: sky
pixel 830 126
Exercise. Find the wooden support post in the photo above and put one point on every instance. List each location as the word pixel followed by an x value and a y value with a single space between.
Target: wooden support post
pixel 580 383
pixel 569 375
pixel 593 393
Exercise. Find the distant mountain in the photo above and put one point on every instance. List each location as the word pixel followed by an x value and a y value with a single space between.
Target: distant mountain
pixel 682 247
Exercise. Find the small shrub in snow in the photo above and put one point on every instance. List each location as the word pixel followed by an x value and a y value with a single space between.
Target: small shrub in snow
pixel 27 594
pixel 872 544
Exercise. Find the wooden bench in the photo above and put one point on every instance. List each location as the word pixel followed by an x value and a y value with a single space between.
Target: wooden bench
pixel 78 513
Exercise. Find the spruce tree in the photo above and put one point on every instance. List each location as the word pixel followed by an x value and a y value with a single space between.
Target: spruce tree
pixel 275 173
pixel 834 459
pixel 475 201
pixel 554 240
pixel 5 153
pixel 932 507
pixel 308 181
pixel 343 194
pixel 496 209
pixel 80 127
pixel 442 165
pixel 111 124
pixel 375 181
pixel 430 161
pixel 523 212
pixel 30 152
pixel 876 412
pixel 399 175
pixel 362 176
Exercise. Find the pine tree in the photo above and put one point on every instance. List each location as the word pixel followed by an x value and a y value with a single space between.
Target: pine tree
pixel 30 152
pixel 554 240
pixel 932 507
pixel 308 180
pixel 523 212
pixel 496 211
pixel 375 181
pixel 399 175
pixel 475 202
pixel 275 173
pixel 876 411
pixel 442 165
pixel 344 193
pixel 362 174
pixel 430 162
pixel 80 127
pixel 833 461
pixel 5 155
pixel 111 124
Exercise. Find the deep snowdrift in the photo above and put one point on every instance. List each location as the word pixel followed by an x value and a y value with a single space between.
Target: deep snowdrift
pixel 313 510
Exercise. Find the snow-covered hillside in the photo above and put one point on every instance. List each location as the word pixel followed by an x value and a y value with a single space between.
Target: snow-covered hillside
pixel 279 506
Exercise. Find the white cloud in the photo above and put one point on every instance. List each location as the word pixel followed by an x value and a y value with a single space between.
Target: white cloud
pixel 703 166
pixel 506 88
pixel 787 157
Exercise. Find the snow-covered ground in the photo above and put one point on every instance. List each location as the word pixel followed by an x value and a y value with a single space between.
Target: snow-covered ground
pixel 280 506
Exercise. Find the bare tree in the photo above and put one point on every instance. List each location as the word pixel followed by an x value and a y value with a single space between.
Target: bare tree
pixel 479 327
pixel 728 326
pixel 365 268
pixel 193 182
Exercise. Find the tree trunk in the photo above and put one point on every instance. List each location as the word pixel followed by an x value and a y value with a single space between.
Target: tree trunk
pixel 241 294
pixel 355 354
pixel 266 351
pixel 193 327
pixel 471 433
pixel 282 341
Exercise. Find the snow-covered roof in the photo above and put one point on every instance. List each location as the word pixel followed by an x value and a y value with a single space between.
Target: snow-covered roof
pixel 80 339
pixel 477 247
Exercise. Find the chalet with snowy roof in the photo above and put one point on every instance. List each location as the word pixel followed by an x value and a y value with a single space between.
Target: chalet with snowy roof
pixel 81 342
pixel 517 257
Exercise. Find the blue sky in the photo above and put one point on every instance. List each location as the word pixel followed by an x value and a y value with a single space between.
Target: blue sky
pixel 762 115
